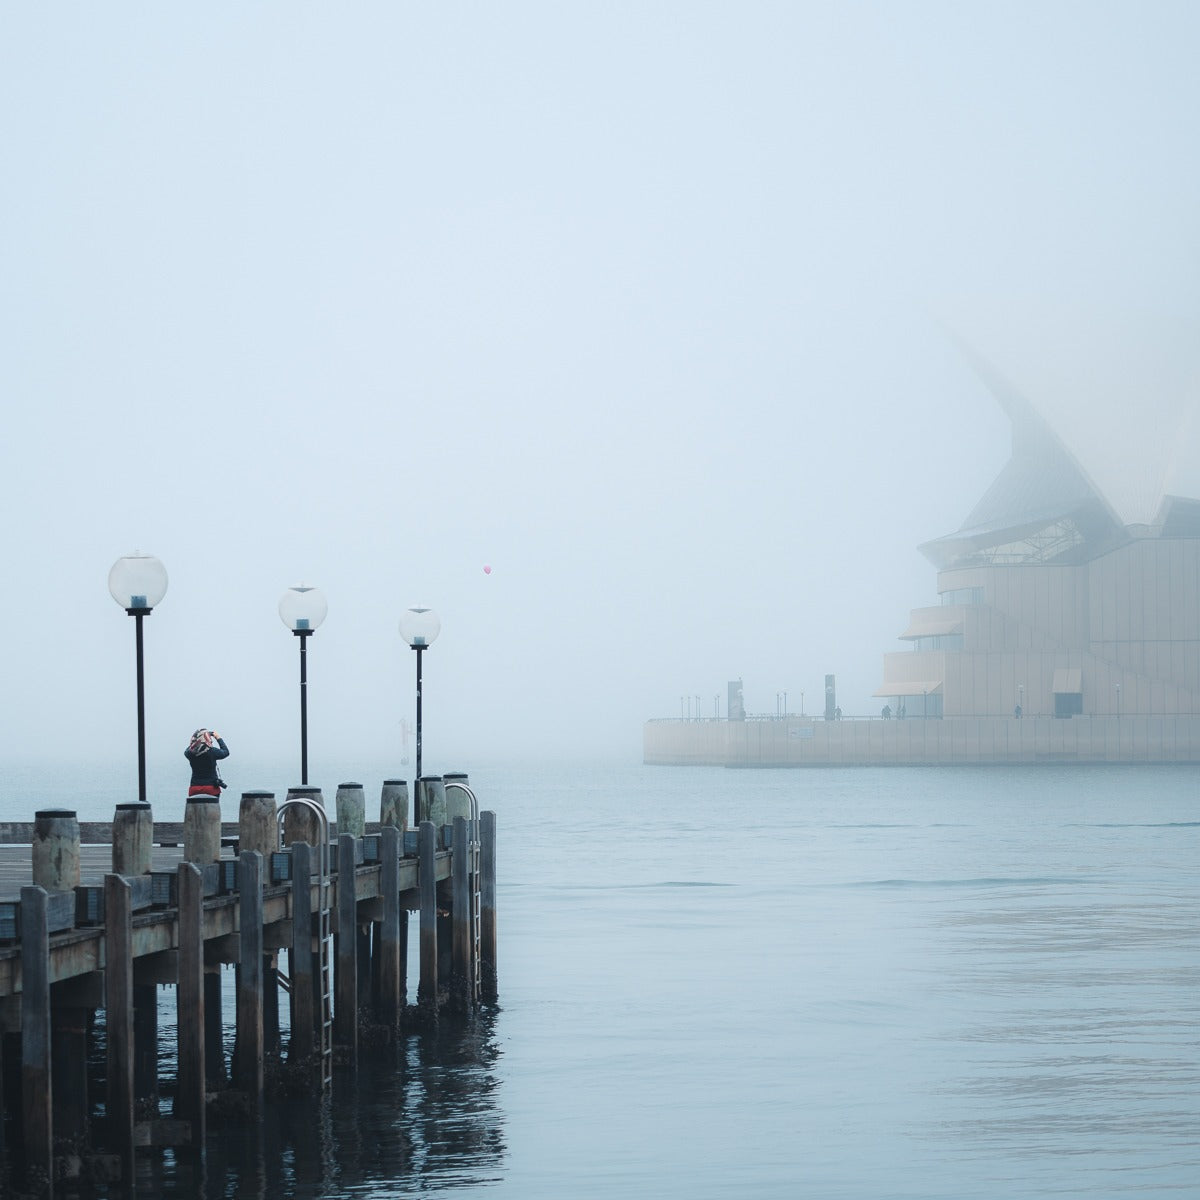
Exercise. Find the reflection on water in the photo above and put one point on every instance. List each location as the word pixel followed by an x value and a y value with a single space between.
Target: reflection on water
pixel 419 1115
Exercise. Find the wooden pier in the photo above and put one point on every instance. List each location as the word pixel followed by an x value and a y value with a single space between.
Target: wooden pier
pixel 95 917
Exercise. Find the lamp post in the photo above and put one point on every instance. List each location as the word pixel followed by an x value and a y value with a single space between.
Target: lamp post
pixel 138 582
pixel 302 609
pixel 1118 701
pixel 419 626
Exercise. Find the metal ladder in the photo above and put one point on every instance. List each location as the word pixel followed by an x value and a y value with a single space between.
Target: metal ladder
pixel 324 930
pixel 473 888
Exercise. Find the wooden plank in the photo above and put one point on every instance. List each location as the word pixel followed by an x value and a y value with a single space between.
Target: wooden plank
pixel 118 1018
pixel 487 906
pixel 345 1008
pixel 189 1099
pixel 249 1057
pixel 36 1087
pixel 428 985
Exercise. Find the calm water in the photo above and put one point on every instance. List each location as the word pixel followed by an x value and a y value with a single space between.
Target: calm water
pixel 857 983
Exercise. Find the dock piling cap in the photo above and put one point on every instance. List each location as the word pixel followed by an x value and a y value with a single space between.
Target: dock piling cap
pixel 50 813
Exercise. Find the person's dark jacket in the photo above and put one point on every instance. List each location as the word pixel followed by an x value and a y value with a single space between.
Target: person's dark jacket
pixel 204 766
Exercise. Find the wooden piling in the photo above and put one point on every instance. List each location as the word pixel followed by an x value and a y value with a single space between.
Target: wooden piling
pixel 118 1019
pixel 393 804
pixel 36 1087
pixel 300 824
pixel 68 1066
pixel 427 988
pixel 214 1027
pixel 145 1041
pixel 202 829
pixel 487 905
pixel 431 800
pixel 458 803
pixel 190 1023
pixel 300 960
pixel 55 850
pixel 461 973
pixel 350 805
pixel 258 829
pixel 390 997
pixel 250 976
pixel 132 839
pixel 345 1009
pixel 258 824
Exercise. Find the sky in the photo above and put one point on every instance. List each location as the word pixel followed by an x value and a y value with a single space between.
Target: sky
pixel 654 309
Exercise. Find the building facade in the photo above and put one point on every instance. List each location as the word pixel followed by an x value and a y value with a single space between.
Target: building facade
pixel 1057 598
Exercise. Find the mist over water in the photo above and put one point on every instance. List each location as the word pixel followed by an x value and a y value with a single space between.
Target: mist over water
pixel 859 983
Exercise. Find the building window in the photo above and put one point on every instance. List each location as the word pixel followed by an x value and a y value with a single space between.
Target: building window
pixel 971 595
pixel 941 641
pixel 917 706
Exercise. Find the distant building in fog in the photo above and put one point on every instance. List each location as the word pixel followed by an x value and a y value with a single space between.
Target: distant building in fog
pixel 1072 588
pixel 1068 628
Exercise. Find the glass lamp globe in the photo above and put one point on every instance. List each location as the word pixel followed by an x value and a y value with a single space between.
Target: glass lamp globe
pixel 302 608
pixel 419 626
pixel 137 582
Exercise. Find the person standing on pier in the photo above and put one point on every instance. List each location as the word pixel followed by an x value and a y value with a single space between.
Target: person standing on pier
pixel 204 751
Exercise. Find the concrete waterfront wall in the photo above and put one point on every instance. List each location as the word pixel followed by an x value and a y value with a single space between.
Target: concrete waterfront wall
pixel 805 742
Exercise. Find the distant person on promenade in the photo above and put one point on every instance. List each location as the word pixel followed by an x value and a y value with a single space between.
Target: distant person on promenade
pixel 886 712
pixel 204 751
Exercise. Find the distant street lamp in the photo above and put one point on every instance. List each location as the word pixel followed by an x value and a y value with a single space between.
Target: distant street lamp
pixel 302 609
pixel 1118 701
pixel 138 582
pixel 419 626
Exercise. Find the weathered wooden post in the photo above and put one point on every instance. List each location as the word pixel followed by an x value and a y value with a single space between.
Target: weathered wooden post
pixel 458 802
pixel 36 1090
pixel 390 996
pixel 345 1010
pixel 132 839
pixel 202 845
pixel 393 803
pixel 258 823
pixel 250 977
pixel 427 988
pixel 202 830
pixel 351 808
pixel 56 850
pixel 431 800
pixel 258 830
pixel 487 905
pixel 189 1097
pixel 301 824
pixel 461 973
pixel 300 956
pixel 118 1018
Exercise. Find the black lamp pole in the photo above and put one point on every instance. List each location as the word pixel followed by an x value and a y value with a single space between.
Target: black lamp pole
pixel 137 614
pixel 417 786
pixel 303 635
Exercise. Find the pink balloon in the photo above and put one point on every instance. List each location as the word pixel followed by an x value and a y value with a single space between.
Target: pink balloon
pixel 487 570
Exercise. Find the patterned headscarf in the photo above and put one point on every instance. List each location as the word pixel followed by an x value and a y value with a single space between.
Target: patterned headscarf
pixel 201 740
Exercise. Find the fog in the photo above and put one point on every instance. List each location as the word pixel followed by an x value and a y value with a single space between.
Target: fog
pixel 652 309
